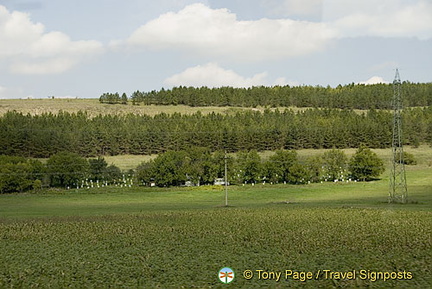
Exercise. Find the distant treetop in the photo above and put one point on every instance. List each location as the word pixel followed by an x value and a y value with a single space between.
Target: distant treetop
pixel 351 96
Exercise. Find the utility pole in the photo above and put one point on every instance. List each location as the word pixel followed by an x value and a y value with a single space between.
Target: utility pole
pixel 226 180
pixel 398 187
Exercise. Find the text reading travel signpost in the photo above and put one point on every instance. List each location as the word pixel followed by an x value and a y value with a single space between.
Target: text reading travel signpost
pixel 326 274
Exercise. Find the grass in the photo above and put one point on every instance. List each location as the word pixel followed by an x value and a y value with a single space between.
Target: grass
pixel 128 162
pixel 174 237
pixel 423 155
pixel 94 108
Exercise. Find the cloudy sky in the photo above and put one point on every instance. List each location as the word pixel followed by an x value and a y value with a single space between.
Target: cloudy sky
pixel 86 47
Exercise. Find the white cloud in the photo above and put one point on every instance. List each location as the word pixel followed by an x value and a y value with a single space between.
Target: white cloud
pixel 386 18
pixel 217 32
pixel 212 75
pixel 32 51
pixel 374 80
pixel 50 66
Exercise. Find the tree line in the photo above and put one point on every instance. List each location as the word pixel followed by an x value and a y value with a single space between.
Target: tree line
pixel 44 135
pixel 113 98
pixel 351 96
pixel 196 166
pixel 64 170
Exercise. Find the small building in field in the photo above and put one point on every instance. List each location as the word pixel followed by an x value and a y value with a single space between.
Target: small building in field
pixel 220 182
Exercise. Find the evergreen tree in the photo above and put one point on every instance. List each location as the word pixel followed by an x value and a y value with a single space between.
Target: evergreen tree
pixel 97 169
pixel 124 98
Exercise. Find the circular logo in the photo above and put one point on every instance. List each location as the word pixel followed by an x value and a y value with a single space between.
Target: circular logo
pixel 226 275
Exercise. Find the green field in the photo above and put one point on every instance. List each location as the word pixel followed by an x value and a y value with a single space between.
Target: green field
pixel 166 238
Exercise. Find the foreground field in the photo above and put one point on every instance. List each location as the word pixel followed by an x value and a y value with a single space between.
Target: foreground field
pixel 187 248
pixel 143 238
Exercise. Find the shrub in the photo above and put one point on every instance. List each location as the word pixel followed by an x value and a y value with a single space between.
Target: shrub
pixel 334 163
pixel 408 159
pixel 365 165
pixel 17 173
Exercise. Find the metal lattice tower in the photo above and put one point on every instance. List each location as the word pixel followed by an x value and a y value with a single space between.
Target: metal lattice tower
pixel 398 186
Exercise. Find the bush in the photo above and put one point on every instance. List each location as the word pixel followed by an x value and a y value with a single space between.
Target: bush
pixel 37 185
pixel 299 174
pixel 334 164
pixel 365 165
pixel 112 173
pixel 17 174
pixel 408 159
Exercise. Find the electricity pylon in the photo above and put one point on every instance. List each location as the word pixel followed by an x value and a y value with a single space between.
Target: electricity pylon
pixel 398 187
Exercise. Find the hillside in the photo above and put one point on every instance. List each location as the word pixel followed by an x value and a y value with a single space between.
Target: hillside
pixel 93 107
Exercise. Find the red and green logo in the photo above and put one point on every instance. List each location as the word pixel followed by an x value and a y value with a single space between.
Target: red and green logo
pixel 226 275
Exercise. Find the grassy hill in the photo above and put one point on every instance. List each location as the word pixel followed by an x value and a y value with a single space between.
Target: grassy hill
pixel 93 107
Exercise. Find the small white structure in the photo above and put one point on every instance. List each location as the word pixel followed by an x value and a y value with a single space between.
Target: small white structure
pixel 220 182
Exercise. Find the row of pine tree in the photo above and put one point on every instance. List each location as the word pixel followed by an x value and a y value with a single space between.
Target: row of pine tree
pixel 46 134
pixel 351 96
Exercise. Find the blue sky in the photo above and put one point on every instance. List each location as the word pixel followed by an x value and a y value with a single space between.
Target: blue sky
pixel 84 48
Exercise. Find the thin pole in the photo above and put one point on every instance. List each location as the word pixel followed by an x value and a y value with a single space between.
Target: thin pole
pixel 226 180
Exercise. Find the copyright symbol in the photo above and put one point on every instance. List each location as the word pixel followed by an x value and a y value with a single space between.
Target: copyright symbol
pixel 248 274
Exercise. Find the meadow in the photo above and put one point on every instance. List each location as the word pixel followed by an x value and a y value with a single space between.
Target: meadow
pixel 181 237
pixel 94 108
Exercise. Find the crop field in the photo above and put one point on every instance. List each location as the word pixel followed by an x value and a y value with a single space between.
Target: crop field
pixel 174 237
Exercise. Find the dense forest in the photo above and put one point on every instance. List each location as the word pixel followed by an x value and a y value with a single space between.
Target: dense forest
pixel 352 96
pixel 47 134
